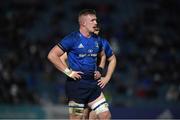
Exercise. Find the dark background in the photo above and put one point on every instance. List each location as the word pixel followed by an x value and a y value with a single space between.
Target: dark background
pixel 144 34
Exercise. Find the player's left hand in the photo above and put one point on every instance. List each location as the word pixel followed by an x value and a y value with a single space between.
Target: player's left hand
pixel 103 81
pixel 97 75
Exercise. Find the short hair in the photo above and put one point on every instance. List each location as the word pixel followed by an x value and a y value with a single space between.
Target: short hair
pixel 85 12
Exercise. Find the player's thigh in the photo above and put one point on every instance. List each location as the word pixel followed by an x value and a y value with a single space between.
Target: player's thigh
pixel 76 110
pixel 99 105
pixel 96 100
pixel 89 114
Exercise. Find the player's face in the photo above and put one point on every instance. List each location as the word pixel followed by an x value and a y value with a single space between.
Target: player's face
pixel 91 23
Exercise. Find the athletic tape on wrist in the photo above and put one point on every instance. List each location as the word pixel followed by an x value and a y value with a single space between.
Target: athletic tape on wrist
pixel 67 71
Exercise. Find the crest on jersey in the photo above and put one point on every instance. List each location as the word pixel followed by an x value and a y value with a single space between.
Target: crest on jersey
pixel 97 45
pixel 81 46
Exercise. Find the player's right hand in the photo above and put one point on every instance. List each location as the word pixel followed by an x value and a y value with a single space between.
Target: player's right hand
pixel 75 75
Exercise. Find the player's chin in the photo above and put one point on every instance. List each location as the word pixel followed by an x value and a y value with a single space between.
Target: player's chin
pixel 94 29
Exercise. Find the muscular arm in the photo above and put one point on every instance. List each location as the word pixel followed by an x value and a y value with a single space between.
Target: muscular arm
pixel 54 55
pixel 111 66
pixel 100 63
pixel 110 70
pixel 101 59
pixel 64 59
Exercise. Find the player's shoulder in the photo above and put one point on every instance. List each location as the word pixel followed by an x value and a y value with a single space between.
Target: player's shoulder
pixel 104 40
pixel 105 43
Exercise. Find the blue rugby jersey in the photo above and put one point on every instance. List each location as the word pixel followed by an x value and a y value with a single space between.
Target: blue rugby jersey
pixel 82 53
pixel 107 48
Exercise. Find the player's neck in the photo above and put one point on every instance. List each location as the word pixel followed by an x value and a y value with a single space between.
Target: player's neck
pixel 85 33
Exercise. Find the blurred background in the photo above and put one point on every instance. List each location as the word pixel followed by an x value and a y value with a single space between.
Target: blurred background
pixel 144 34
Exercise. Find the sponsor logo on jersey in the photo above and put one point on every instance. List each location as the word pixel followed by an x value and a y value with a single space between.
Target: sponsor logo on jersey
pixel 88 55
pixel 81 46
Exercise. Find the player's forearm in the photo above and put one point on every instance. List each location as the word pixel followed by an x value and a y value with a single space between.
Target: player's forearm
pixel 111 67
pixel 102 61
pixel 53 58
pixel 64 59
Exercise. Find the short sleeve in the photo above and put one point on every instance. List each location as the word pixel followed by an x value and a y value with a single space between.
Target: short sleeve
pixel 66 43
pixel 107 48
pixel 100 44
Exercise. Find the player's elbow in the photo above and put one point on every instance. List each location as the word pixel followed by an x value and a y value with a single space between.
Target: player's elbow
pixel 112 58
pixel 50 56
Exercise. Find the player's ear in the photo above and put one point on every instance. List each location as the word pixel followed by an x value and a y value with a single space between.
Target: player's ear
pixel 83 22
